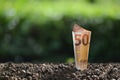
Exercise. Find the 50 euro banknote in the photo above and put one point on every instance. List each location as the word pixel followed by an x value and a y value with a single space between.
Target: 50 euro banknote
pixel 81 43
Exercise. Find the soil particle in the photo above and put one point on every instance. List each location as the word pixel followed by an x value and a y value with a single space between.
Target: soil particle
pixel 29 71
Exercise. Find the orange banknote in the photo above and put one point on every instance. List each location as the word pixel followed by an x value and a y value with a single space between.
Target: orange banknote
pixel 81 42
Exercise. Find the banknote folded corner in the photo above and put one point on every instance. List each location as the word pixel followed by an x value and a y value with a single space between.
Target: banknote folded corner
pixel 78 28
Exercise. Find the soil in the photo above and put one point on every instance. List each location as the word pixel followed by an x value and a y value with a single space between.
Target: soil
pixel 29 71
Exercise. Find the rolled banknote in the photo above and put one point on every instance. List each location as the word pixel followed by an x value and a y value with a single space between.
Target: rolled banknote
pixel 81 42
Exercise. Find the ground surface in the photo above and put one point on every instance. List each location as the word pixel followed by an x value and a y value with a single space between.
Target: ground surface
pixel 29 71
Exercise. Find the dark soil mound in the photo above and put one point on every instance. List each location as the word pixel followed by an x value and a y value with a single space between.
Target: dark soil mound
pixel 29 71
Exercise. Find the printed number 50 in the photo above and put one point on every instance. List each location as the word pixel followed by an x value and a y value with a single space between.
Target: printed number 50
pixel 84 40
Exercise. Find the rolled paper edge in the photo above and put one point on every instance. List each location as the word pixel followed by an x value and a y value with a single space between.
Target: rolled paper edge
pixel 73 36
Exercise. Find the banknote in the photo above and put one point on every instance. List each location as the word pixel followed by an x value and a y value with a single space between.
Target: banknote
pixel 81 43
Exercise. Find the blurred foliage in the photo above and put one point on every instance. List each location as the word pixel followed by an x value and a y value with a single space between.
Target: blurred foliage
pixel 40 30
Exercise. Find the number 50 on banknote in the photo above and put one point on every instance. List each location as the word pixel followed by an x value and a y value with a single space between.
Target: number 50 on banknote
pixel 81 43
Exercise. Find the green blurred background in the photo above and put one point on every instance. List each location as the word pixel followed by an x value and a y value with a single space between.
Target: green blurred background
pixel 40 30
